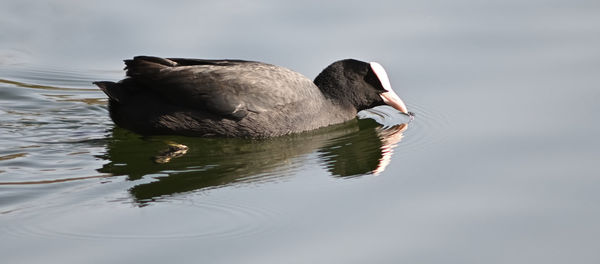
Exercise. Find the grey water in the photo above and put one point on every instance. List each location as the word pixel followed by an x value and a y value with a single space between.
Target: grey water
pixel 499 165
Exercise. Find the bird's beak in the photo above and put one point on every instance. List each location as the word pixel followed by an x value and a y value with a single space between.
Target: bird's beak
pixel 392 99
pixel 389 96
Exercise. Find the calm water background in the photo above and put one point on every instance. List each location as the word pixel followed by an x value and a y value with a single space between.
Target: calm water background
pixel 500 164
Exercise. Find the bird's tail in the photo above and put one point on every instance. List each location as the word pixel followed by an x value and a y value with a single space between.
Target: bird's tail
pixel 112 89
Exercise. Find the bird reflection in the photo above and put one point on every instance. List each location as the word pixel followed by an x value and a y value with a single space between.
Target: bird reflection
pixel 367 151
pixel 356 148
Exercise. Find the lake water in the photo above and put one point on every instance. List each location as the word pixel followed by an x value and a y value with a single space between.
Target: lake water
pixel 500 164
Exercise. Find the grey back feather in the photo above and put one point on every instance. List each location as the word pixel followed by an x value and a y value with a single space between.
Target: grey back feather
pixel 231 88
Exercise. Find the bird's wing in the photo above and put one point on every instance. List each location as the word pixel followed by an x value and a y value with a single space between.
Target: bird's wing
pixel 229 88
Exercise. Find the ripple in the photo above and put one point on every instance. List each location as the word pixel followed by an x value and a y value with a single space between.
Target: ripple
pixel 40 77
pixel 385 115
pixel 175 220
pixel 13 156
pixel 48 181
pixel 239 219
pixel 41 108
pixel 427 128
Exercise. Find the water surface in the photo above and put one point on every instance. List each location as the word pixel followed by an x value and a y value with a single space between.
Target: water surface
pixel 498 166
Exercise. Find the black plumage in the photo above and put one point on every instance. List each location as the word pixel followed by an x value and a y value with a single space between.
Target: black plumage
pixel 235 98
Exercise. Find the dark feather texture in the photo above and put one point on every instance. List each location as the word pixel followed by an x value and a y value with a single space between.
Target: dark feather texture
pixel 235 98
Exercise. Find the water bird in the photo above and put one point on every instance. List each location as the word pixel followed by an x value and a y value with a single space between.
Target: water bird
pixel 238 98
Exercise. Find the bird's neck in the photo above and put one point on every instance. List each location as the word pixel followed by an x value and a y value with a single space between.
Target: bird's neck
pixel 330 86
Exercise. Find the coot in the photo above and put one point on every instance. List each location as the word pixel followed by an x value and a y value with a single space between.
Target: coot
pixel 236 98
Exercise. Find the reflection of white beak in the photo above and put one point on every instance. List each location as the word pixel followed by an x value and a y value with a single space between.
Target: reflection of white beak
pixel 389 138
pixel 393 100
pixel 389 96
